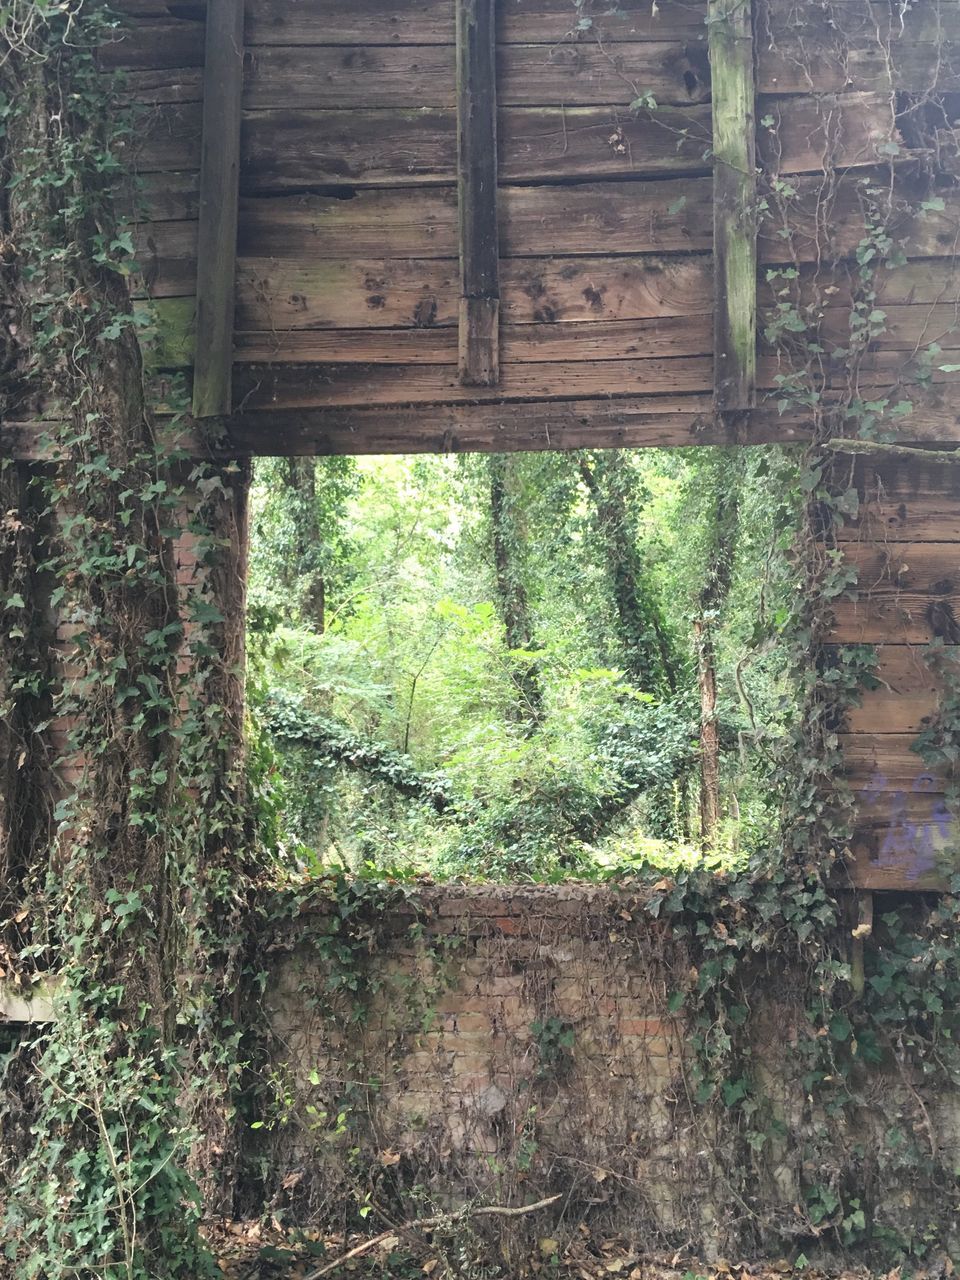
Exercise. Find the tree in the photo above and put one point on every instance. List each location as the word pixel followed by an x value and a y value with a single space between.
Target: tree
pixel 506 531
pixel 647 650
pixel 719 494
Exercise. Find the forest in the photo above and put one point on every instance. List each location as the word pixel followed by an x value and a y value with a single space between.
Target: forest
pixel 525 667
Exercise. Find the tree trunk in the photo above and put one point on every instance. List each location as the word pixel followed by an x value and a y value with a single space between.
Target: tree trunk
pixel 709 734
pixel 724 515
pixel 511 592
pixel 647 651
pixel 308 538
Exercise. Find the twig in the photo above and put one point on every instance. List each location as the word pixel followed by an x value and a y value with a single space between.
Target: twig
pixel 424 1224
pixel 841 445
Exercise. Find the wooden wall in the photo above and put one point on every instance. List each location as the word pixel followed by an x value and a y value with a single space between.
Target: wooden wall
pixel 347 282
pixel 347 286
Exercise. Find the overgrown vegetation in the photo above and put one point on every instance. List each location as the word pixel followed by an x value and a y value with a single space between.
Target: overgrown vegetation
pixel 519 667
pixel 524 665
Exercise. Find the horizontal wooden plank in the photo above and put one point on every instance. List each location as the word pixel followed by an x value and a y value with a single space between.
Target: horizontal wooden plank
pixel 668 421
pixel 903 502
pixel 417 146
pixel 403 148
pixel 908 593
pixel 160 197
pixel 573 74
pixel 829 131
pixel 903 841
pixel 285 293
pixel 666 216
pixel 906 695
pixel 608 218
pixel 904 619
pixel 934 281
pixel 883 762
pixel 417 22
pixel 615 340
pixel 316 386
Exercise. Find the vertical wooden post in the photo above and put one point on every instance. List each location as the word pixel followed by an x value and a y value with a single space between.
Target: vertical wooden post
pixel 862 929
pixel 734 203
pixel 479 348
pixel 219 196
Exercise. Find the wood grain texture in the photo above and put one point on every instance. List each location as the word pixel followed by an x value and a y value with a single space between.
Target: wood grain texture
pixel 478 310
pixel 734 204
pixel 574 74
pixel 416 146
pixel 883 762
pixel 287 293
pixel 903 841
pixel 316 386
pixel 906 694
pixel 590 219
pixel 910 503
pixel 677 420
pixel 219 193
pixel 828 131
pixel 614 341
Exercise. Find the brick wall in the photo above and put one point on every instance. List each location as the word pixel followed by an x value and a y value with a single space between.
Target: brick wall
pixel 517 1043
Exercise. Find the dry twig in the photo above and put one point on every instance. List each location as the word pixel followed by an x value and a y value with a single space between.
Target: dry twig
pixel 424 1224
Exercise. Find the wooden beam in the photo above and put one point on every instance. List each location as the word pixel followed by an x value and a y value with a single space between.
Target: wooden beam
pixel 730 27
pixel 479 356
pixel 219 199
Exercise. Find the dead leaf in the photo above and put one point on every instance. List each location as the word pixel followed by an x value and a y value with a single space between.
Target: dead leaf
pixel 388 1158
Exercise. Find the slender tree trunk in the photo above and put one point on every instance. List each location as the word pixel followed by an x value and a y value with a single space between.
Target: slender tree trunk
pixel 648 653
pixel 709 734
pixel 725 480
pixel 511 592
pixel 302 479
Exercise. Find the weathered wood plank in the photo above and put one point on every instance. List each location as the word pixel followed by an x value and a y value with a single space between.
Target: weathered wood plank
pixel 404 148
pixel 916 502
pixel 667 216
pixel 829 131
pixel 612 219
pixel 734 204
pixel 878 762
pixel 908 593
pixel 316 386
pixel 904 841
pixel 286 293
pixel 219 193
pixel 426 22
pixel 574 74
pixel 665 336
pixel 869 44
pixel 293 386
pixel 417 146
pixel 906 695
pixel 664 421
pixel 477 219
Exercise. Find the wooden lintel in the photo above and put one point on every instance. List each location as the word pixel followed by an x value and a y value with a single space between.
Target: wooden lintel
pixel 734 203
pixel 479 355
pixel 219 198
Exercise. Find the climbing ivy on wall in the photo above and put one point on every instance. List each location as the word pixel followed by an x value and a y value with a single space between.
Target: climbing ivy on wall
pixel 131 885
pixel 134 884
